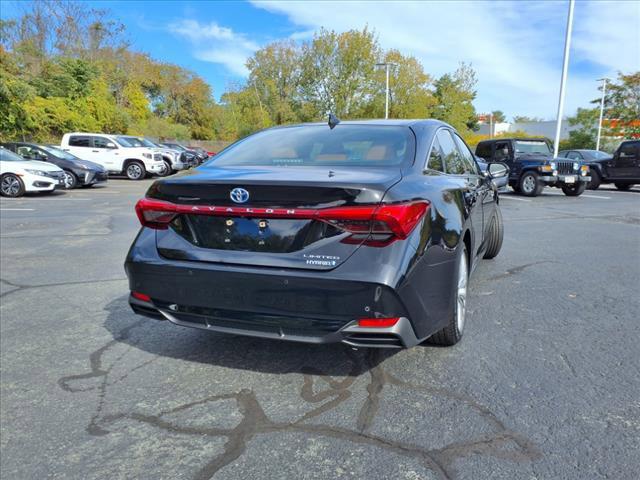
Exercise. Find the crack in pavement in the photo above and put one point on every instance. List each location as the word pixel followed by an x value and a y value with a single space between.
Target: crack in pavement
pixel 254 421
pixel 19 288
pixel 517 270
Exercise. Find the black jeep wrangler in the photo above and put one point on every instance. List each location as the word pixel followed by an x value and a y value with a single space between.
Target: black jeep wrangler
pixel 532 166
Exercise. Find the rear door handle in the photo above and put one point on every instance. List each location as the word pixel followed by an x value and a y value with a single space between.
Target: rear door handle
pixel 95 151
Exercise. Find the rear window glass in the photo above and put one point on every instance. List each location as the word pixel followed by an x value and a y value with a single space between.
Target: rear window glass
pixel 318 145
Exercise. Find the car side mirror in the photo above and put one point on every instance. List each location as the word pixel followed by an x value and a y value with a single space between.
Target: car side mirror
pixel 111 145
pixel 498 170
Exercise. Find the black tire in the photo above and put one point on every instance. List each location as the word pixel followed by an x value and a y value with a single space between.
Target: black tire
pixel 595 181
pixel 167 169
pixel 11 186
pixel 530 185
pixel 452 333
pixel 623 187
pixel 135 170
pixel 574 190
pixel 70 180
pixel 496 235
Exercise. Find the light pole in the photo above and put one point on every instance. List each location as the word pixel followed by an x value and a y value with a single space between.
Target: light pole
pixel 387 66
pixel 604 88
pixel 563 81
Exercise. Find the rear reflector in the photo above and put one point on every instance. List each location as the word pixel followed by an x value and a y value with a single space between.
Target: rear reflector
pixel 378 322
pixel 397 220
pixel 141 296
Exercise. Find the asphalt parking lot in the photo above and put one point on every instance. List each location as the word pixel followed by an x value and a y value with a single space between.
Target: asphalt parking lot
pixel 545 384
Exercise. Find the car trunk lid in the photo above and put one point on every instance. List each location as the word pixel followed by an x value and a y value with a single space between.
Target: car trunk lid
pixel 287 217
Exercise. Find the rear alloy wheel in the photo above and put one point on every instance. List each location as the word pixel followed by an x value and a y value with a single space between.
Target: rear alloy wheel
pixel 452 333
pixel 496 235
pixel 575 190
pixel 135 171
pixel 70 180
pixel 530 185
pixel 623 187
pixel 11 186
pixel 595 181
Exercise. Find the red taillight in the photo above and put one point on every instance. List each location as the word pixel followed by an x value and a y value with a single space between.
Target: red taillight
pixel 141 296
pixel 395 220
pixel 378 322
pixel 155 213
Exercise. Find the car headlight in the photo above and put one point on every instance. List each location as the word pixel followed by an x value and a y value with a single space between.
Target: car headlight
pixel 553 165
pixel 576 165
pixel 36 172
pixel 147 155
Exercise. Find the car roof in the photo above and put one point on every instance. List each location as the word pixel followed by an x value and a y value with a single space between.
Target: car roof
pixel 380 122
pixel 540 139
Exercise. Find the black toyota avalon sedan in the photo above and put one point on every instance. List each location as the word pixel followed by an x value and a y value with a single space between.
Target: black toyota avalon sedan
pixel 360 232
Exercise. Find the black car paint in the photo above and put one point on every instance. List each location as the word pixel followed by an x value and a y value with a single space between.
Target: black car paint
pixel 413 278
pixel 622 167
pixel 521 164
pixel 91 175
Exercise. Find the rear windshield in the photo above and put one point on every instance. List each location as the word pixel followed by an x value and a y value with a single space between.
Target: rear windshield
pixel 318 145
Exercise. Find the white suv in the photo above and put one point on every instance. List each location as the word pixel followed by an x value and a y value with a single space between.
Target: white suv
pixel 114 153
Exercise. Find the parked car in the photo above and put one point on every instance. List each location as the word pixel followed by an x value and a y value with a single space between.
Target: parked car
pixel 114 153
pixel 194 156
pixel 622 168
pixel 532 166
pixel 76 171
pixel 365 233
pixel 203 155
pixel 174 160
pixel 19 176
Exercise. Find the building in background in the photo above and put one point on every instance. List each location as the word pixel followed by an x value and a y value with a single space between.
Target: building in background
pixel 541 129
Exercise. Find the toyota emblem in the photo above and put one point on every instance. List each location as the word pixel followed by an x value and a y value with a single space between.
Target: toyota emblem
pixel 239 195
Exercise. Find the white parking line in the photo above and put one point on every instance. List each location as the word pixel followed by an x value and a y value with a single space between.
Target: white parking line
pixel 514 198
pixel 17 209
pixel 588 195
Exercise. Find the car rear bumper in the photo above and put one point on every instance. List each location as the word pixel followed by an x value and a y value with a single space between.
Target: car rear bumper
pixel 277 304
pixel 400 335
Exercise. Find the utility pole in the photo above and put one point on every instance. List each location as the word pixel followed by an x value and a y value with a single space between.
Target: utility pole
pixel 490 125
pixel 604 88
pixel 563 81
pixel 387 67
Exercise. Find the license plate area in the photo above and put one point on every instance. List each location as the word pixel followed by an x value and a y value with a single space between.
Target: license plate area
pixel 269 235
pixel 569 179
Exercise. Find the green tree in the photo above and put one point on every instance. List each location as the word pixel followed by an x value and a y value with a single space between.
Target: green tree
pixel 622 106
pixel 525 119
pixel 337 72
pixel 274 76
pixel 454 94
pixel 409 93
pixel 498 116
pixel 586 119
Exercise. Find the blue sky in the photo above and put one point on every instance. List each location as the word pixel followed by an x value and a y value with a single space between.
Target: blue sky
pixel 515 46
